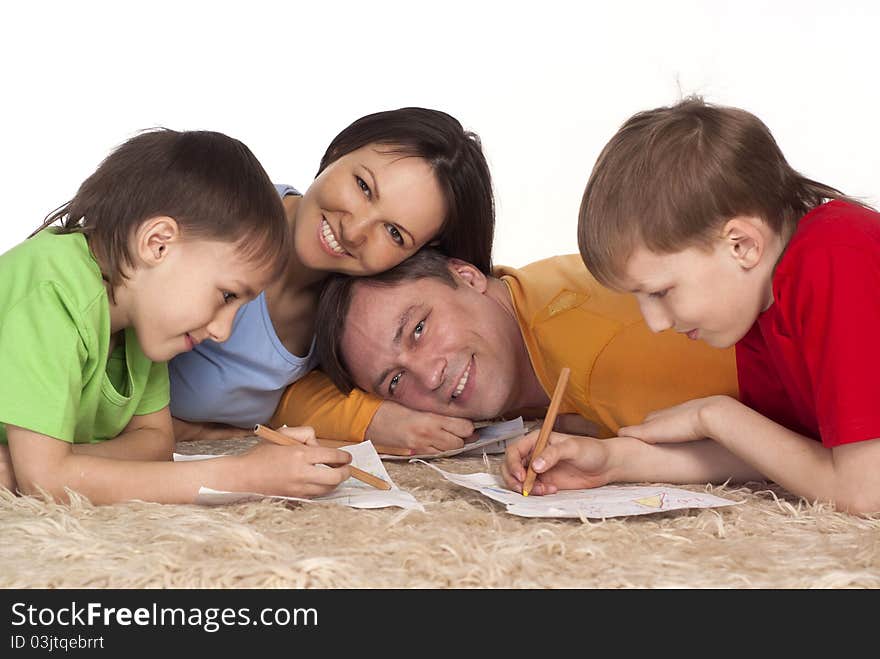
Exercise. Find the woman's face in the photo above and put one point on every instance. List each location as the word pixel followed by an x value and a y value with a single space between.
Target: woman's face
pixel 368 211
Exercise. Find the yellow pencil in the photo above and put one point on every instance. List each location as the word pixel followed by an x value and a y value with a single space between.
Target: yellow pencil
pixel 547 426
pixel 280 438
pixel 385 450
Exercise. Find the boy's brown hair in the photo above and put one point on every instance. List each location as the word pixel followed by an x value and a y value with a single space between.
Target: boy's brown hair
pixel 211 184
pixel 671 176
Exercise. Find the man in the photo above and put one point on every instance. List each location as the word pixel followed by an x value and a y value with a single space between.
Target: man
pixel 437 335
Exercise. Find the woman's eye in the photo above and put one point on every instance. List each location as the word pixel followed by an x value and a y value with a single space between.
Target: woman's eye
pixel 362 184
pixel 394 382
pixel 229 297
pixel 395 234
pixel 417 332
pixel 659 294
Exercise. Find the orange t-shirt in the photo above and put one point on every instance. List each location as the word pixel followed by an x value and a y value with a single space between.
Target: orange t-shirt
pixel 620 370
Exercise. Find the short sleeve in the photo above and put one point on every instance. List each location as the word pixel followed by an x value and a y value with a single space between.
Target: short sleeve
pixel 315 401
pixel 285 189
pixel 41 372
pixel 833 309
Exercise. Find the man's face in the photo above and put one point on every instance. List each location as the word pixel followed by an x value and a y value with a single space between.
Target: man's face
pixel 435 348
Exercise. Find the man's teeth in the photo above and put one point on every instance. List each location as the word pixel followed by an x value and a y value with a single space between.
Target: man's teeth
pixel 461 383
pixel 330 238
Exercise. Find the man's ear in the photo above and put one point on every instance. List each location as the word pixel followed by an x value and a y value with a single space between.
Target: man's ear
pixel 154 237
pixel 746 240
pixel 470 275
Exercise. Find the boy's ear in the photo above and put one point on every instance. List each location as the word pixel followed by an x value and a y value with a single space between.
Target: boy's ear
pixel 154 237
pixel 470 275
pixel 746 240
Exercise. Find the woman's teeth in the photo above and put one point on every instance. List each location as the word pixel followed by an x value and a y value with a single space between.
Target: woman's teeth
pixel 330 239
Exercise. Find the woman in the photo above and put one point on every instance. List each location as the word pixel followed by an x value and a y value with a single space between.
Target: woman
pixel 388 184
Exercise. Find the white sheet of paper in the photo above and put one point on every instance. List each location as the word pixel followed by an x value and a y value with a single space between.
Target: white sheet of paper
pixel 597 503
pixel 351 492
pixel 493 439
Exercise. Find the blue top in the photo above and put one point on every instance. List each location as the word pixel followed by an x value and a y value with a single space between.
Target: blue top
pixel 239 381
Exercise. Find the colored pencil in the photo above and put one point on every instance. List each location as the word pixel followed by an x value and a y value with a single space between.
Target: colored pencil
pixel 280 438
pixel 546 428
pixel 385 450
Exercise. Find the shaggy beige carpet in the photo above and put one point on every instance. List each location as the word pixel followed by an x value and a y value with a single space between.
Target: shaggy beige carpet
pixel 463 540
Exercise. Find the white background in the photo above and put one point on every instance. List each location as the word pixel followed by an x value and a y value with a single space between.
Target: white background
pixel 545 84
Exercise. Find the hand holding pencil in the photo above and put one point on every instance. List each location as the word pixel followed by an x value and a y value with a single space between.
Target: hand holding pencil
pixel 282 439
pixel 546 427
pixel 303 470
pixel 563 461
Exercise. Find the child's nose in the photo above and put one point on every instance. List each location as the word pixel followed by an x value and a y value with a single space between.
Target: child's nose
pixel 220 327
pixel 656 317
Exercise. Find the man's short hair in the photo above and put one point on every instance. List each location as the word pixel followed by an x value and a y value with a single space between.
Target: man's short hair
pixel 336 299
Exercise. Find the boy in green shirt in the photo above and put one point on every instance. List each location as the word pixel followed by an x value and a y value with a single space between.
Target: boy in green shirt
pixel 156 252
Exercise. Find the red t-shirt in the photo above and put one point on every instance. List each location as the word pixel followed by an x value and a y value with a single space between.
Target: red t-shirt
pixel 812 360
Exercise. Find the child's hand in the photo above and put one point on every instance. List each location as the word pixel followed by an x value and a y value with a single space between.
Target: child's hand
pixel 303 434
pixel 682 423
pixel 568 462
pixel 305 470
pixel 423 432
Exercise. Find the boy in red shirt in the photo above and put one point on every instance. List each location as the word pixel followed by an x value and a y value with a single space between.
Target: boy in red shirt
pixel 694 209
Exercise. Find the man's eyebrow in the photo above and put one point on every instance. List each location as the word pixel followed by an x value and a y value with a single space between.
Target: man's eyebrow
pixel 402 323
pixel 404 320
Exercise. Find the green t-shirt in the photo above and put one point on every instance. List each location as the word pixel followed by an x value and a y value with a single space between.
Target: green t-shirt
pixel 55 375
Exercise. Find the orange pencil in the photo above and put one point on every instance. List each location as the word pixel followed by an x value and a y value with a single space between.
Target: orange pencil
pixel 385 450
pixel 546 427
pixel 282 439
